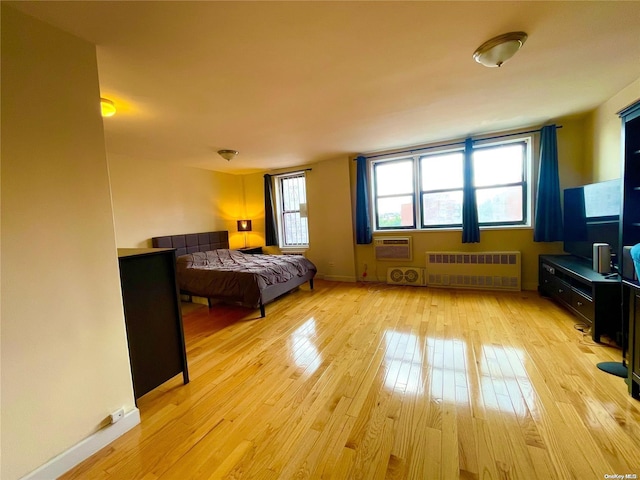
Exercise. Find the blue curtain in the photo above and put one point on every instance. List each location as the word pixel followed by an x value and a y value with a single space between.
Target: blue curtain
pixel 470 226
pixel 363 217
pixel 548 219
pixel 270 229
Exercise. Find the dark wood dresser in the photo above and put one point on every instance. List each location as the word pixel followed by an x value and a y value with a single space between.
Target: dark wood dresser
pixel 152 316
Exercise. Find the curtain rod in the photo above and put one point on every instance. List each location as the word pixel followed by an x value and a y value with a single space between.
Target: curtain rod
pixel 454 143
pixel 293 171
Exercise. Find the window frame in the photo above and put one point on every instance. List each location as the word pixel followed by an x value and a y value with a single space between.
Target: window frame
pixel 422 192
pixel 526 145
pixel 527 141
pixel 376 197
pixel 281 211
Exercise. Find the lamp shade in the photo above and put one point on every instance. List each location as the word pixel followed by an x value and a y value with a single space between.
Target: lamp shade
pixel 244 225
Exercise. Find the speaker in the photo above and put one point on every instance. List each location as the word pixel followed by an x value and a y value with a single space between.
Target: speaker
pixel 628 270
pixel 601 257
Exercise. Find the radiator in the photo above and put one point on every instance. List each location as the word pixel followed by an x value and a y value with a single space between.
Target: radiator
pixel 477 270
pixel 392 248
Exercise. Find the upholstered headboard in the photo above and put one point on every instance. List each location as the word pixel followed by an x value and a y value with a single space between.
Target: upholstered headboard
pixel 193 242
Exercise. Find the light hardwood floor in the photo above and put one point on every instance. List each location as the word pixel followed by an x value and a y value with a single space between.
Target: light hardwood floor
pixel 353 381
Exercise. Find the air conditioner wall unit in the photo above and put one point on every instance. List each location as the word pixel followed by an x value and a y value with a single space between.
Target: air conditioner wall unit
pixel 392 248
pixel 406 276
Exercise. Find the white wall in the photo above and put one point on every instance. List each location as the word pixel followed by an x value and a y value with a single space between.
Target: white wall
pixel 65 363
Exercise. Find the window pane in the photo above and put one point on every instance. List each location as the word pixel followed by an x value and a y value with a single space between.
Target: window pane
pixel 293 192
pixel 498 165
pixel 503 204
pixel 394 178
pixel 439 172
pixel 444 208
pixel 395 212
pixel 295 229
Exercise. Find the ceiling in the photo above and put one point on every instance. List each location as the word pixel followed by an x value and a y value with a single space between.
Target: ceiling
pixel 290 83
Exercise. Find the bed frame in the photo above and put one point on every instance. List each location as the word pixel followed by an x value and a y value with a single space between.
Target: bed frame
pixel 193 242
pixel 203 242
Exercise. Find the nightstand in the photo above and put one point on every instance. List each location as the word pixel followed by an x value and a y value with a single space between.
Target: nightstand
pixel 251 250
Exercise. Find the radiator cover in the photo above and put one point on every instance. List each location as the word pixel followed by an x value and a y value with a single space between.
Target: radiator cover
pixel 476 270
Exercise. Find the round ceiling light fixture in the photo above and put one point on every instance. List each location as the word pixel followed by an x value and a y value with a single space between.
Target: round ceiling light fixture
pixel 496 51
pixel 107 107
pixel 228 154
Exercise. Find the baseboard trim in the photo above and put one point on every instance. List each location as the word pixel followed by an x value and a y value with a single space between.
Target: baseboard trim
pixel 84 449
pixel 339 278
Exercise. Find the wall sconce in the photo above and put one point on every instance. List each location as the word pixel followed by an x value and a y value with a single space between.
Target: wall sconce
pixel 244 226
pixel 107 107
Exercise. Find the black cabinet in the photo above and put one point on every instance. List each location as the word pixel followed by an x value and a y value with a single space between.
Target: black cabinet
pixel 630 224
pixel 630 235
pixel 633 292
pixel 634 337
pixel 593 297
pixel 152 316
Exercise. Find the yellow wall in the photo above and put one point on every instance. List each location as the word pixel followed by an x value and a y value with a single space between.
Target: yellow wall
pixel 65 364
pixel 173 199
pixel 329 216
pixel 253 190
pixel 604 135
pixel 152 199
pixel 571 172
pixel 331 236
pixel 331 199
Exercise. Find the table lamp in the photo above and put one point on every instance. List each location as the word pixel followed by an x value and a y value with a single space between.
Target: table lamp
pixel 244 226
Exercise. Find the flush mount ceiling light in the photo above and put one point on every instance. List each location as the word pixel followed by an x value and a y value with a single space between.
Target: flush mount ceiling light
pixel 227 154
pixel 496 51
pixel 107 107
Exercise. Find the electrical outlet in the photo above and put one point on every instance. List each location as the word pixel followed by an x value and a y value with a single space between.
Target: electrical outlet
pixel 117 415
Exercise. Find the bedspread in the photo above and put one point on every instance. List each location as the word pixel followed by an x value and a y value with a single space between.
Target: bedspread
pixel 235 276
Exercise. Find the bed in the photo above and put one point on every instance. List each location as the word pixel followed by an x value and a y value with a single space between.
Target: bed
pixel 206 267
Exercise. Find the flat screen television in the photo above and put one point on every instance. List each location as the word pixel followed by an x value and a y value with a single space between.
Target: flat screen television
pixel 592 215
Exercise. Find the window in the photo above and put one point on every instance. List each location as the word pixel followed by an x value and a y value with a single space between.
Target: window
pixel 499 180
pixel 291 198
pixel 441 191
pixel 394 194
pixel 429 186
